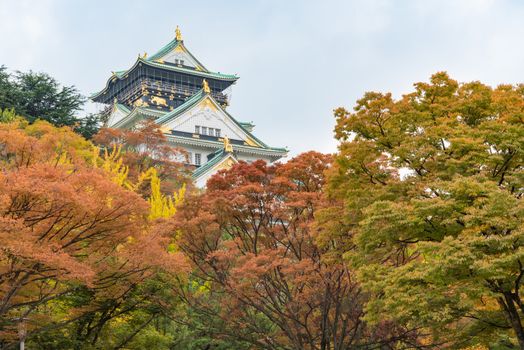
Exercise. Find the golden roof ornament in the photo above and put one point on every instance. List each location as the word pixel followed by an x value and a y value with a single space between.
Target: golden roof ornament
pixel 228 147
pixel 178 34
pixel 145 55
pixel 205 86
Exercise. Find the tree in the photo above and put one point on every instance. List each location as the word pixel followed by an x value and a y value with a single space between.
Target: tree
pixel 433 185
pixel 144 148
pixel 78 250
pixel 259 275
pixel 39 96
pixel 88 126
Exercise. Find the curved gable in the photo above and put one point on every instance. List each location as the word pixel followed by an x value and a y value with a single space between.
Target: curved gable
pixel 208 114
pixel 180 56
pixel 118 112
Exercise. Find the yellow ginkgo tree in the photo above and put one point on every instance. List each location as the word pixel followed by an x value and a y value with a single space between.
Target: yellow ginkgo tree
pixel 161 205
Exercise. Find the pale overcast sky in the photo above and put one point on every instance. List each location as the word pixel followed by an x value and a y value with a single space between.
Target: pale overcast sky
pixel 297 60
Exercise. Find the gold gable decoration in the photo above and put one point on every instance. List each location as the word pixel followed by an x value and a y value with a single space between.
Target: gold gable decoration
pixel 228 164
pixel 140 103
pixel 251 143
pixel 208 104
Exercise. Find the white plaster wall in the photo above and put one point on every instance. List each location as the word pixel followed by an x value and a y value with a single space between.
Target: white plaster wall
pixel 201 182
pixel 115 116
pixel 179 55
pixel 203 115
pixel 203 151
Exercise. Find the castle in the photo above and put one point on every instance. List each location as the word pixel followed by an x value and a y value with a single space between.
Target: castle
pixel 188 102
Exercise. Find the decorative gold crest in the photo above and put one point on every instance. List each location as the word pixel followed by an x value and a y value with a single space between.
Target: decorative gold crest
pixel 140 103
pixel 159 101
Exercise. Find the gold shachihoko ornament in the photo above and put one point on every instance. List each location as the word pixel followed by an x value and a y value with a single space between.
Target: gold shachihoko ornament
pixel 178 34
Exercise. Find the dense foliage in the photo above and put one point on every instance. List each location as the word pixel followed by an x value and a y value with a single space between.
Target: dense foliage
pixel 39 96
pixel 410 237
pixel 259 274
pixel 147 147
pixel 82 261
pixel 432 185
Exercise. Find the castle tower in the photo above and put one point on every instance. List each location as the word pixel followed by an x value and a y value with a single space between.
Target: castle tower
pixel 189 102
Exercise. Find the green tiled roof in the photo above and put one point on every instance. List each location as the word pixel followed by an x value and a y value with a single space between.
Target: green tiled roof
pixel 219 156
pixel 132 114
pixel 205 74
pixel 246 123
pixel 122 74
pixel 193 100
pixel 171 46
pixel 123 108
pixel 243 148
pixel 200 95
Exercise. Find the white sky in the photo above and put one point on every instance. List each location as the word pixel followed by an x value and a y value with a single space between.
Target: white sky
pixel 297 60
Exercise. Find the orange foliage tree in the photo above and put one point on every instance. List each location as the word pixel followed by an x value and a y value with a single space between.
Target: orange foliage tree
pixel 66 227
pixel 259 274
pixel 147 147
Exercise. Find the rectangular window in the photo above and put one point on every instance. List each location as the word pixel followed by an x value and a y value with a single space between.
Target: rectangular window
pixel 204 130
pixel 198 158
pixel 197 129
pixel 182 62
pixel 217 132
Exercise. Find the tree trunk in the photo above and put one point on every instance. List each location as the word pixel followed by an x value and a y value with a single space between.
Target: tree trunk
pixel 513 316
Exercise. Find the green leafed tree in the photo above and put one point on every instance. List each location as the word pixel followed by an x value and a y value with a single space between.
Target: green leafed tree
pixel 433 216
pixel 40 96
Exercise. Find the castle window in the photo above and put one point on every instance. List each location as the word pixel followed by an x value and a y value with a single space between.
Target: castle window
pixel 182 62
pixel 198 158
pixel 204 130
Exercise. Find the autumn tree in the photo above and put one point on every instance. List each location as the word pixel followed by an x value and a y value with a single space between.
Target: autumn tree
pixel 432 185
pixel 76 248
pixel 259 276
pixel 147 147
